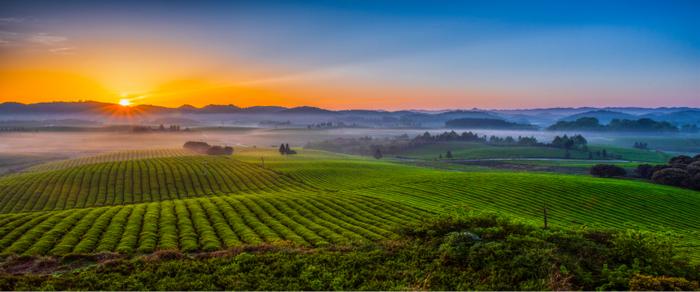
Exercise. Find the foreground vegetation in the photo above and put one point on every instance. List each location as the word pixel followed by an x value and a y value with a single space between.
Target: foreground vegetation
pixel 466 252
pixel 318 220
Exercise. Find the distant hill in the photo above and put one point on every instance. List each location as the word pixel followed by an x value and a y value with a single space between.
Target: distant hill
pixel 603 116
pixel 620 125
pixel 305 115
pixel 677 117
pixel 308 110
pixel 477 123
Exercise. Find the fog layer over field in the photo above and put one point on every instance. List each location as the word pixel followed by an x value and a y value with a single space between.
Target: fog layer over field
pixel 70 144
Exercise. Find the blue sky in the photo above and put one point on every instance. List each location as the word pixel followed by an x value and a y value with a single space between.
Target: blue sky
pixel 453 53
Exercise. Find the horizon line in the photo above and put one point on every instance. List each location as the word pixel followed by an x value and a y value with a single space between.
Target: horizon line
pixel 356 109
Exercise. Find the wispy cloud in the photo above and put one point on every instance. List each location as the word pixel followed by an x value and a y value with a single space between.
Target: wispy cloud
pixel 63 51
pixel 11 20
pixel 47 39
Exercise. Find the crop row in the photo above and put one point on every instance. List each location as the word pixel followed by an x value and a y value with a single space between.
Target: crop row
pixel 136 181
pixel 570 201
pixel 205 224
pixel 110 157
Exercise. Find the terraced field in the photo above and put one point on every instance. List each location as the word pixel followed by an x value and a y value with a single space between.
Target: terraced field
pixel 136 181
pixel 205 224
pixel 202 203
pixel 472 150
pixel 570 199
pixel 110 157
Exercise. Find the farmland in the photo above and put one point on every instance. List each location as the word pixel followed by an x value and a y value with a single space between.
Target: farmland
pixel 205 224
pixel 474 151
pixel 140 203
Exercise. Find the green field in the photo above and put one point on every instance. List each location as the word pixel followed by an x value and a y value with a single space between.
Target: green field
pixel 474 151
pixel 143 203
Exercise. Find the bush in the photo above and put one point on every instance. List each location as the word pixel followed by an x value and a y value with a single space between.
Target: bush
pixel 196 146
pixel 694 182
pixel 204 148
pixel 644 171
pixel 662 283
pixel 218 150
pixel 680 161
pixel 693 168
pixel 607 170
pixel 671 176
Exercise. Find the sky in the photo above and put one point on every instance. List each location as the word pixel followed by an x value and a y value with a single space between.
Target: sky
pixel 353 54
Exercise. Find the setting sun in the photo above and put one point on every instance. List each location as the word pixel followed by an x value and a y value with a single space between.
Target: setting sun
pixel 124 102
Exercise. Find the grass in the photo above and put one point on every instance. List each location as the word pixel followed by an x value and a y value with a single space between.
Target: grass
pixel 135 181
pixel 572 200
pixel 110 157
pixel 207 224
pixel 503 254
pixel 474 151
pixel 314 198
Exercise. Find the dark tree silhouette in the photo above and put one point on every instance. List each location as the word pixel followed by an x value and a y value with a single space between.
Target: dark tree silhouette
pixel 671 176
pixel 607 170
pixel 377 154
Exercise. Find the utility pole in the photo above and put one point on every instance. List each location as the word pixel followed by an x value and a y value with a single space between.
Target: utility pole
pixel 545 215
pixel 262 159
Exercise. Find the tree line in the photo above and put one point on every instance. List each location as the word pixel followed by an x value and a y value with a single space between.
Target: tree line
pixel 205 148
pixel 592 124
pixel 680 171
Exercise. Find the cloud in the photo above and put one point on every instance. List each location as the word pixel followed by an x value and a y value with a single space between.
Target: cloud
pixel 11 20
pixel 47 39
pixel 63 51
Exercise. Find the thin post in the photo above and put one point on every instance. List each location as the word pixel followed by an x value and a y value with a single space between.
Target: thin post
pixel 545 215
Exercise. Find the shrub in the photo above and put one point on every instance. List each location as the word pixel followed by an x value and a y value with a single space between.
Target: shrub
pixel 204 148
pixel 644 171
pixel 694 182
pixel 662 283
pixel 671 176
pixel 196 146
pixel 218 150
pixel 693 168
pixel 680 161
pixel 607 170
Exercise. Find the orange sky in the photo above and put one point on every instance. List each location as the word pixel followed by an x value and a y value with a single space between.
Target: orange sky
pixel 146 75
pixel 261 53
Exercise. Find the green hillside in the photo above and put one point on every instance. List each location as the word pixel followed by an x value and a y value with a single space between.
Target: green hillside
pixel 314 198
pixel 136 181
pixel 472 150
pixel 205 224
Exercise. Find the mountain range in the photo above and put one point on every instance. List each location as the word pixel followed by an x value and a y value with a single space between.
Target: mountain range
pixel 307 114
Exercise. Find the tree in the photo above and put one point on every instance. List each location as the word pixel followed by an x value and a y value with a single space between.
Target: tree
pixel 694 182
pixel 590 155
pixel 680 161
pixel 644 171
pixel 378 154
pixel 605 153
pixel 671 176
pixel 607 170
pixel 693 168
pixel 448 155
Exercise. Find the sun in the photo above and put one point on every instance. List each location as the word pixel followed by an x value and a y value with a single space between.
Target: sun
pixel 124 102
